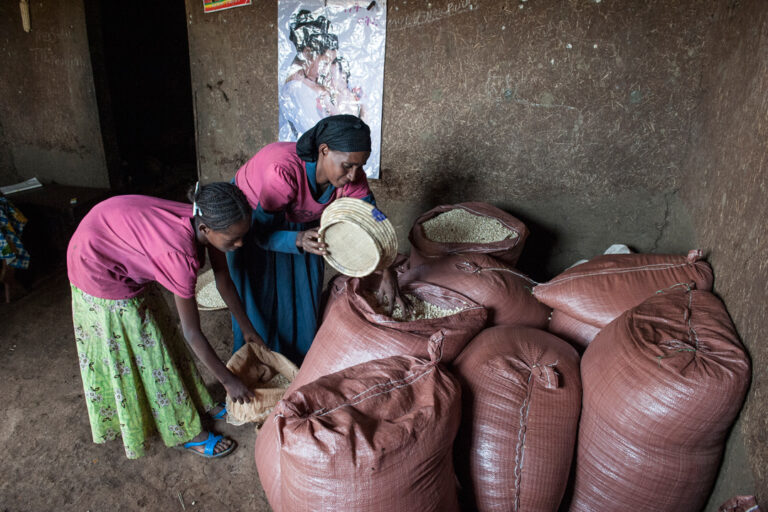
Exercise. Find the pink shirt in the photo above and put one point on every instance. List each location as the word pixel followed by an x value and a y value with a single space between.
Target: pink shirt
pixel 276 179
pixel 125 242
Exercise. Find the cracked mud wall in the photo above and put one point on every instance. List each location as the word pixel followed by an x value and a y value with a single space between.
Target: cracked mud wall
pixel 726 189
pixel 49 122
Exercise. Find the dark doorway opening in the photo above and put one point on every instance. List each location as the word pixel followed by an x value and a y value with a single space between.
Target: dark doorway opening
pixel 140 57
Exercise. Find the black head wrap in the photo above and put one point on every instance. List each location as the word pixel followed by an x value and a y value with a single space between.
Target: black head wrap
pixel 312 33
pixel 345 133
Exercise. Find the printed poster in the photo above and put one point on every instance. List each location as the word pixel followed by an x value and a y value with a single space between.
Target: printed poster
pixel 331 61
pixel 220 5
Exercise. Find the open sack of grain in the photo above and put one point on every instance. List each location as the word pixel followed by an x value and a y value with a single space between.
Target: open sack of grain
pixel 354 331
pixel 356 327
pixel 467 228
pixel 505 292
pixel 598 291
pixel 266 373
pixel 373 437
pixel 662 386
pixel 521 395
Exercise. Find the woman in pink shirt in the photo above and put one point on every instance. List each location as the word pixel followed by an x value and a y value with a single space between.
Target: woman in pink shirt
pixel 279 270
pixel 137 372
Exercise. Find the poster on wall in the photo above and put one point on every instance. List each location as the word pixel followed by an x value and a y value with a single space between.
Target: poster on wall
pixel 331 61
pixel 220 5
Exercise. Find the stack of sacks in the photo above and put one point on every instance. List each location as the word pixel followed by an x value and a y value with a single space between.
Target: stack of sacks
pixel 662 385
pixel 467 228
pixel 354 331
pixel 587 297
pixel 504 291
pixel 577 333
pixel 521 395
pixel 373 437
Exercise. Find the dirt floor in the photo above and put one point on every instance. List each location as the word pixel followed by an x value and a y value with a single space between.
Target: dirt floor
pixel 49 461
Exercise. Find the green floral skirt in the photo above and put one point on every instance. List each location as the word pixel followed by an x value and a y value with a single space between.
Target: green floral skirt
pixel 138 374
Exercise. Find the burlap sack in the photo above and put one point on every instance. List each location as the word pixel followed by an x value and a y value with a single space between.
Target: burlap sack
pixel 508 251
pixel 598 291
pixel 374 437
pixel 662 385
pixel 577 333
pixel 258 368
pixel 504 291
pixel 521 402
pixel 353 333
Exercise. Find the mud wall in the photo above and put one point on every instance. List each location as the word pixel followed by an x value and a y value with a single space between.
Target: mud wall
pixel 573 115
pixel 725 187
pixel 49 123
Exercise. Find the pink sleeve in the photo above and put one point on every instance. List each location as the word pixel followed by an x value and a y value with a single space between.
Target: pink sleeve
pixel 177 272
pixel 278 189
pixel 358 188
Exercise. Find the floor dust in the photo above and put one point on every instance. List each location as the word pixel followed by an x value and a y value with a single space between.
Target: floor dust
pixel 49 461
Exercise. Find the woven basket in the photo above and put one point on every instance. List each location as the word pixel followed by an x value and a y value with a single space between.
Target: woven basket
pixel 360 238
pixel 213 300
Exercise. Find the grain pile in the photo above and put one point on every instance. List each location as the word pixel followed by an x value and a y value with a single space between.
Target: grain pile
pixel 420 310
pixel 278 381
pixel 460 226
pixel 208 297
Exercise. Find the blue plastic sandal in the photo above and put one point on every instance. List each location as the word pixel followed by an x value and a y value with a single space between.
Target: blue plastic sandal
pixel 221 414
pixel 210 445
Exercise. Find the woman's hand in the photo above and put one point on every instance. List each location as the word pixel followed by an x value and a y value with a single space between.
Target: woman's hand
pixel 237 391
pixel 389 293
pixel 309 241
pixel 253 337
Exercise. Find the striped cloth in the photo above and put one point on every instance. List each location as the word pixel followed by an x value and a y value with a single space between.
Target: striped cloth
pixel 12 222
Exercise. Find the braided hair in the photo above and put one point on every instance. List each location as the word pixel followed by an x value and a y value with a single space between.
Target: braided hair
pixel 218 205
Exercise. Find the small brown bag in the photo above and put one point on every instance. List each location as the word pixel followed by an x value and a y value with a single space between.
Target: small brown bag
pixel 260 370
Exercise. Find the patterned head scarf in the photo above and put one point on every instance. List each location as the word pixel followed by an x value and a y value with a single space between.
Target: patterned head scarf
pixel 345 133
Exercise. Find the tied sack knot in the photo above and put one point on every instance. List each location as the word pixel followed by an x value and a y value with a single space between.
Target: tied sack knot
pixel 546 375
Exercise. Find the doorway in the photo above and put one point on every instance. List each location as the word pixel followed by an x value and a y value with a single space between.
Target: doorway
pixel 140 58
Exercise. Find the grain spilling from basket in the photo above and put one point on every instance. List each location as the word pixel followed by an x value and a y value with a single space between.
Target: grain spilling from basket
pixel 461 226
pixel 420 309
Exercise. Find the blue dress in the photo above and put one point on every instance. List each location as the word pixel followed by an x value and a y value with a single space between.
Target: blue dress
pixel 279 284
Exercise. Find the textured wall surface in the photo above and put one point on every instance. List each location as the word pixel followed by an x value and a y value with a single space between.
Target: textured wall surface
pixel 50 123
pixel 573 115
pixel 233 61
pixel 725 187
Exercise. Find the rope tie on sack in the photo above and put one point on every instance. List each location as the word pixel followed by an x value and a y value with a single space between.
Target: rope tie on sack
pixel 693 338
pixel 470 267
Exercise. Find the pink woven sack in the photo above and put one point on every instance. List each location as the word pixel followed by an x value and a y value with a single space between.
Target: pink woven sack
pixel 598 291
pixel 740 504
pixel 374 437
pixel 575 332
pixel 508 251
pixel 521 394
pixel 504 291
pixel 663 384
pixel 353 333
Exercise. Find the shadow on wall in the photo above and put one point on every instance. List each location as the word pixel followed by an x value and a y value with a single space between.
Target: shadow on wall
pixel 457 180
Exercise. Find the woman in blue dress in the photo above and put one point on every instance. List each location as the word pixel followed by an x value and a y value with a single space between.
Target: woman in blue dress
pixel 279 270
